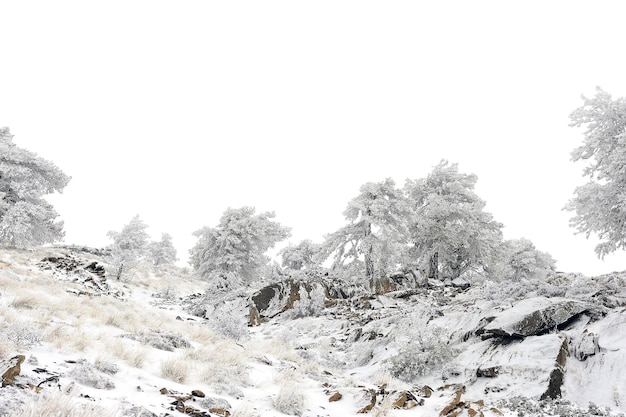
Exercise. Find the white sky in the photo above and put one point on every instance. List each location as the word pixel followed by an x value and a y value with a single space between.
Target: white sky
pixel 176 110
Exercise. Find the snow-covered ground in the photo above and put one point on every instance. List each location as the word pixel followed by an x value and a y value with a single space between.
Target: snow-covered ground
pixel 94 346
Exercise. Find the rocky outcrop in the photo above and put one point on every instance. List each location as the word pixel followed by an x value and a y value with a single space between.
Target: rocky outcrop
pixel 9 369
pixel 557 375
pixel 89 274
pixel 536 316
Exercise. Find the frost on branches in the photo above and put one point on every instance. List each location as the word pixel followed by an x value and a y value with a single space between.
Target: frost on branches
pixel 237 246
pixel 450 232
pixel 129 246
pixel 26 219
pixel 600 205
pixel 162 252
pixel 376 229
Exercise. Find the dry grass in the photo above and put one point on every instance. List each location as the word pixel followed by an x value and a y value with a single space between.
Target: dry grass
pixel 175 369
pixel 57 404
pixel 130 352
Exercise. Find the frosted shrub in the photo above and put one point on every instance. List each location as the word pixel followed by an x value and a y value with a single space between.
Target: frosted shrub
pixel 290 400
pixel 229 325
pixel 309 304
pixel 425 354
pixel 24 335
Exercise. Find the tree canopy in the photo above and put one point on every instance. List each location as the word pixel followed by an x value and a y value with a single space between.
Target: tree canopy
pixel 237 246
pixel 450 232
pixel 600 204
pixel 26 218
pixel 375 231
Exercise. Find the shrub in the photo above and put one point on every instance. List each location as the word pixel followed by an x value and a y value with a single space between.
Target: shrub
pixel 24 335
pixel 425 354
pixel 290 400
pixel 175 369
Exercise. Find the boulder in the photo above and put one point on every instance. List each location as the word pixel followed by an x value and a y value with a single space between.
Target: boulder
pixel 9 369
pixel 536 316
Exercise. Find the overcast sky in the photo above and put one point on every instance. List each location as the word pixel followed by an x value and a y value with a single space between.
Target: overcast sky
pixel 176 110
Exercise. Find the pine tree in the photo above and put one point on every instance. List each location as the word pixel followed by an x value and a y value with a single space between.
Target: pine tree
pixel 26 218
pixel 129 246
pixel 450 232
pixel 235 249
pixel 370 242
pixel 600 205
pixel 163 252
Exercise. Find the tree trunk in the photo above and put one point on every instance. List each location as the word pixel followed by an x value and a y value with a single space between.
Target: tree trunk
pixel 433 270
pixel 120 270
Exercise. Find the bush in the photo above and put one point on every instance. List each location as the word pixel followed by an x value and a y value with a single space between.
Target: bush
pixel 175 369
pixel 425 354
pixel 24 335
pixel 290 400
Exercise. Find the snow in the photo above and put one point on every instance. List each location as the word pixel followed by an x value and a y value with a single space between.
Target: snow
pixel 305 360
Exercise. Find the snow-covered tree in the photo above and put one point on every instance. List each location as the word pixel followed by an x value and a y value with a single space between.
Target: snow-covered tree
pixel 26 218
pixel 600 205
pixel 370 243
pixel 304 255
pixel 129 246
pixel 522 260
pixel 236 247
pixel 450 232
pixel 162 252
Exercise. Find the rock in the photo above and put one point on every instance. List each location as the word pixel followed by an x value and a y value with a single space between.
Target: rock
pixel 274 299
pixel 371 404
pixel 456 402
pixel 536 316
pixel 88 375
pixel 406 401
pixel 557 375
pixel 491 372
pixel 219 412
pixel 9 369
pixel 585 345
pixel 138 412
pixel 460 283
pixel 335 397
pixel 425 391
pixel 197 393
pixel 217 406
pixel 164 391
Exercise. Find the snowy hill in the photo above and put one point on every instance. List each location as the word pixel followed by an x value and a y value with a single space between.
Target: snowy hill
pixel 77 343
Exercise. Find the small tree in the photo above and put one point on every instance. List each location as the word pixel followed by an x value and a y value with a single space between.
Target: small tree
pixel 236 247
pixel 26 218
pixel 129 246
pixel 600 205
pixel 163 252
pixel 523 261
pixel 450 232
pixel 372 239
pixel 304 255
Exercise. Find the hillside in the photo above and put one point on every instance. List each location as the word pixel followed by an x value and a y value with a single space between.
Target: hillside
pixel 77 343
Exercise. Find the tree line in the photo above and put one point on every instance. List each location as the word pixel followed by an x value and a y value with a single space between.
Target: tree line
pixel 437 225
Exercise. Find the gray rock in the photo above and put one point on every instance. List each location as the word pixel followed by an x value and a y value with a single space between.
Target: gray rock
pixel 536 316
